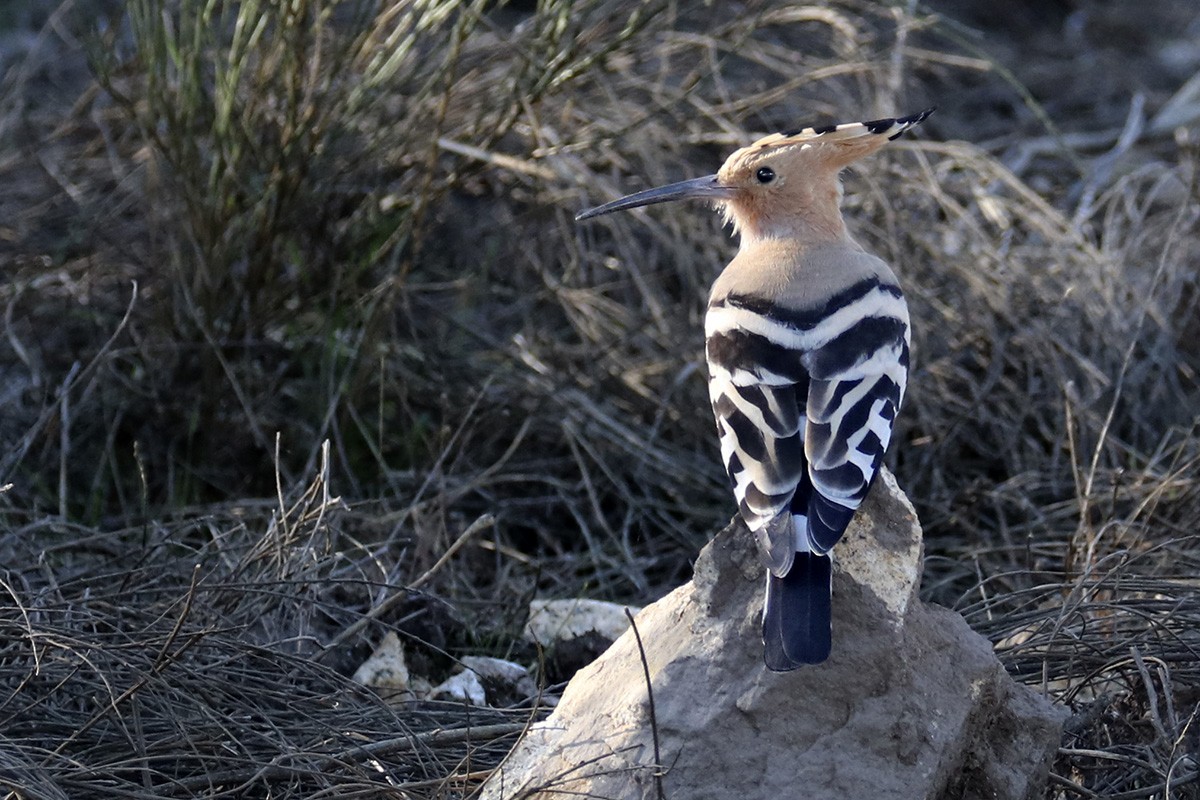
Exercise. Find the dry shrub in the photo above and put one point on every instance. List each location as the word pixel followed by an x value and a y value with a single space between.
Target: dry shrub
pixel 268 174
pixel 401 275
pixel 1053 449
pixel 186 659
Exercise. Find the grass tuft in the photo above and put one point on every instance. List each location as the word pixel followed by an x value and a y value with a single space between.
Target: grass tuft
pixel 234 232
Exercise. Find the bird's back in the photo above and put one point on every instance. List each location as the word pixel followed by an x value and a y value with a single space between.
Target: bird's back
pixel 807 348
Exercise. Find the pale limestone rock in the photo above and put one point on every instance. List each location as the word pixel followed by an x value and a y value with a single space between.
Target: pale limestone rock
pixel 488 668
pixel 560 620
pixel 464 686
pixel 912 704
pixel 894 572
pixel 387 672
pixel 483 678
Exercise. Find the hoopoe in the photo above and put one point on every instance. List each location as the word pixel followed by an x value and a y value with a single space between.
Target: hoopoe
pixel 807 342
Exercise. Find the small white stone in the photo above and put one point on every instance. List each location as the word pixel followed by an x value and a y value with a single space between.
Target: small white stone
pixel 495 668
pixel 386 668
pixel 562 620
pixel 463 686
pixel 387 672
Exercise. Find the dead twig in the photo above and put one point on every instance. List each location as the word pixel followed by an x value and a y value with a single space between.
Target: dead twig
pixel 658 763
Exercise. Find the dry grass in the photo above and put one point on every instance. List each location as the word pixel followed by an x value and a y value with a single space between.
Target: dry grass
pixel 127 674
pixel 357 229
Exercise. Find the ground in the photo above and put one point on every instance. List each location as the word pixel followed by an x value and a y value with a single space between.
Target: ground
pixel 293 298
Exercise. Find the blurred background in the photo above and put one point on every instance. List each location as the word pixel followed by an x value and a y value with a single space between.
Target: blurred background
pixel 293 292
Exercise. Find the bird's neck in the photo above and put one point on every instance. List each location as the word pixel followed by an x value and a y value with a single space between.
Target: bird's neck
pixel 810 228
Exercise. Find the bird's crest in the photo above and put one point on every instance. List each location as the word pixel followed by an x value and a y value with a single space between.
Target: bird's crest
pixel 848 141
pixel 891 127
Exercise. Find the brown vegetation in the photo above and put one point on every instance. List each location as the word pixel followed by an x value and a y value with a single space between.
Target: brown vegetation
pixel 227 240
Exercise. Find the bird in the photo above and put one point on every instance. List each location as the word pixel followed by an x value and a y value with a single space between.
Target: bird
pixel 807 345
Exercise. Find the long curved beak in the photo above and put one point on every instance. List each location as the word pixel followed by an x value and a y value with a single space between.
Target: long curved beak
pixel 706 188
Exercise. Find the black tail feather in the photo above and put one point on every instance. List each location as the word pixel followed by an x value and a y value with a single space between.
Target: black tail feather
pixel 797 615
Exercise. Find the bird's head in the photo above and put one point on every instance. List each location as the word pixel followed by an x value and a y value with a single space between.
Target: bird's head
pixel 782 184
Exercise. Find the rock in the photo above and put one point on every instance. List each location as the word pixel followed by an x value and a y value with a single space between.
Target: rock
pixel 912 704
pixel 464 686
pixel 386 671
pixel 573 633
pixel 497 669
pixel 488 681
pixel 481 678
pixel 478 679
pixel 552 621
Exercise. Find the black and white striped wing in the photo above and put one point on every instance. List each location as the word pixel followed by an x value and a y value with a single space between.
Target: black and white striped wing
pixel 857 384
pixel 805 401
pixel 849 428
pixel 758 388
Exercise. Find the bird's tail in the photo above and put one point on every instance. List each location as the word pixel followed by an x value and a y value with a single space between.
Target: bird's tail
pixel 797 615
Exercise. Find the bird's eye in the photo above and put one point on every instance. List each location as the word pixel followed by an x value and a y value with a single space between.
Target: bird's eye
pixel 765 174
